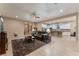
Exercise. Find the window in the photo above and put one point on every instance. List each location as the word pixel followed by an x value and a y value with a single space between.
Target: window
pixel 64 25
pixel 54 26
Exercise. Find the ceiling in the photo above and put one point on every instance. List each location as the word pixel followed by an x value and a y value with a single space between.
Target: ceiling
pixel 45 11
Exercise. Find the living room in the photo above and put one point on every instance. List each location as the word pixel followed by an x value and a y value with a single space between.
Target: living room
pixel 38 29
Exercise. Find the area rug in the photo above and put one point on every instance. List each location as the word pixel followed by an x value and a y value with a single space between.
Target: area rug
pixel 21 48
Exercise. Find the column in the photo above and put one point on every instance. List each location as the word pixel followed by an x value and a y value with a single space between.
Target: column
pixel 77 26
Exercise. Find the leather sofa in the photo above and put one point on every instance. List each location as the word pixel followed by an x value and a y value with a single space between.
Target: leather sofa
pixel 42 36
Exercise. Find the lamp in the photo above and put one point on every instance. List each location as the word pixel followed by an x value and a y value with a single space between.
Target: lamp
pixel 48 30
pixel 35 16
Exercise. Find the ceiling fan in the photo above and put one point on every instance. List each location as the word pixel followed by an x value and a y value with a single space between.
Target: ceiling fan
pixel 35 16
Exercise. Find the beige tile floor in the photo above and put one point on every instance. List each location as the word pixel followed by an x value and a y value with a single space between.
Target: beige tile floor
pixel 59 46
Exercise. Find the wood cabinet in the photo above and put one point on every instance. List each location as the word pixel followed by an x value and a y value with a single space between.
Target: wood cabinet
pixel 57 33
pixel 3 42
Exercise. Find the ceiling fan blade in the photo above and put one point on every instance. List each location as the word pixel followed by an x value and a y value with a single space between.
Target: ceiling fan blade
pixel 38 17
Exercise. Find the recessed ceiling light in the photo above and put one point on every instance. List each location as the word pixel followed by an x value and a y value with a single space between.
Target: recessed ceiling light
pixel 16 16
pixel 61 10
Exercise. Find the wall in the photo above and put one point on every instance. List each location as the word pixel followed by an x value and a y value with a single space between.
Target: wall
pixel 77 26
pixel 12 26
pixel 73 26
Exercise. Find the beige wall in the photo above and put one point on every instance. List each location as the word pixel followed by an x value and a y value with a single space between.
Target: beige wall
pixel 73 26
pixel 77 17
pixel 13 26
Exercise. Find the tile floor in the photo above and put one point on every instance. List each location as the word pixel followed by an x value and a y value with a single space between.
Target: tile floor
pixel 59 46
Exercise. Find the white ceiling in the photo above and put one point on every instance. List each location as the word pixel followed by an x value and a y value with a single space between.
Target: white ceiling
pixel 44 10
